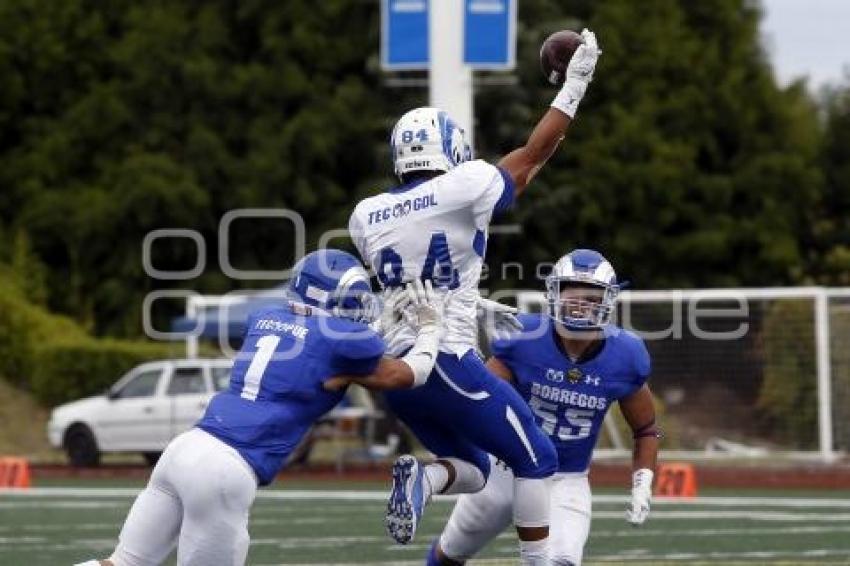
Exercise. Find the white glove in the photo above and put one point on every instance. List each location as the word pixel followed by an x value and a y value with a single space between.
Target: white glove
pixel 583 62
pixel 579 74
pixel 395 301
pixel 500 320
pixel 638 510
pixel 426 305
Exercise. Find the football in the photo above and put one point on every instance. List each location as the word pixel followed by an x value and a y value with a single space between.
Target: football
pixel 555 54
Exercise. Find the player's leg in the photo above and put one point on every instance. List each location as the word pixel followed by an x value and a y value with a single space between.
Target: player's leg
pixel 570 527
pixel 152 526
pixel 460 467
pixel 494 417
pixel 217 489
pixel 476 519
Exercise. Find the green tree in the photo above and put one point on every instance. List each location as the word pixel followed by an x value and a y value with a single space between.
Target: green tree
pixel 687 164
pixel 831 257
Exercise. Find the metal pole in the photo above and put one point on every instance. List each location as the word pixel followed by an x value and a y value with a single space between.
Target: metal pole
pixel 192 338
pixel 824 372
pixel 450 80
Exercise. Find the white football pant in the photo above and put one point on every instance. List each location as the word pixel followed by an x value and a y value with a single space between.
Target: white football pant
pixel 199 498
pixel 479 517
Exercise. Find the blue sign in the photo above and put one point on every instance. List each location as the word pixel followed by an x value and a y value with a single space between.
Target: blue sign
pixel 489 34
pixel 489 31
pixel 404 34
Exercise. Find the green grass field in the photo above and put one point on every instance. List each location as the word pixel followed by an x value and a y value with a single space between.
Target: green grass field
pixel 314 523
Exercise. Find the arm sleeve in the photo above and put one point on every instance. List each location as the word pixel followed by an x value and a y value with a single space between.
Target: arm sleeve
pixel 357 233
pixel 643 363
pixel 357 352
pixel 489 188
pixel 517 349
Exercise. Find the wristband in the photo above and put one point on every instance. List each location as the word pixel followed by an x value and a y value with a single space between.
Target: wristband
pixel 423 355
pixel 569 96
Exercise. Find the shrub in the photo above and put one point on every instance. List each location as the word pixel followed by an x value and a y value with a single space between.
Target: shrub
pixel 788 397
pixel 54 358
pixel 23 328
pixel 69 370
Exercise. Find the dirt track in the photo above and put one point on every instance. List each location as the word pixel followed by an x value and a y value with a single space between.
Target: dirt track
pixel 800 477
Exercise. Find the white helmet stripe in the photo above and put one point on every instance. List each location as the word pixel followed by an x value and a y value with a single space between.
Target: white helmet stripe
pixel 317 294
pixel 350 277
pixel 604 272
pixel 564 269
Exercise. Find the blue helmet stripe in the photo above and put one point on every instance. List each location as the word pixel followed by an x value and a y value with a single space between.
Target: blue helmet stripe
pixel 447 127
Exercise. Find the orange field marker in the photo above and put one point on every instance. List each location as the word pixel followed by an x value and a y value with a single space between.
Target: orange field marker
pixel 14 472
pixel 676 479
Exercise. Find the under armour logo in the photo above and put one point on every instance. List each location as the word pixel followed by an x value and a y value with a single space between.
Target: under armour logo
pixel 588 379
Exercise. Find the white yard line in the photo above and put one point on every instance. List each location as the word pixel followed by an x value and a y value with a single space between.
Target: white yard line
pixel 696 556
pixel 348 495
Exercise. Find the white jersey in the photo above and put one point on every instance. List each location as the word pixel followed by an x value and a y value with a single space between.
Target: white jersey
pixel 434 229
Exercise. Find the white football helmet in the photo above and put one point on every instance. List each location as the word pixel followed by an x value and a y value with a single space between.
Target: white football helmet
pixel 587 269
pixel 427 139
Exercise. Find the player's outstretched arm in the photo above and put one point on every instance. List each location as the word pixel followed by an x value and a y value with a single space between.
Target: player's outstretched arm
pixel 639 411
pixel 523 163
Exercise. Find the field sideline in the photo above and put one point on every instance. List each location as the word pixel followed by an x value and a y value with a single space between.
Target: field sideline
pixel 340 525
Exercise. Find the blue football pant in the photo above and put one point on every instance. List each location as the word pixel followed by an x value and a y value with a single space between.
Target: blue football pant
pixel 464 411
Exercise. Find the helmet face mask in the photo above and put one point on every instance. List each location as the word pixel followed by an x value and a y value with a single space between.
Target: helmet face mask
pixel 580 306
pixel 581 291
pixel 427 140
pixel 358 304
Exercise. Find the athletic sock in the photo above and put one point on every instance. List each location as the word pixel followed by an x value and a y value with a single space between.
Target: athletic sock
pixel 467 478
pixel 534 552
pixel 436 479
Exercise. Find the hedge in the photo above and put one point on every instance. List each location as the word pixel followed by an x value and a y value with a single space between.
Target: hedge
pixel 54 358
pixel 65 371
pixel 23 328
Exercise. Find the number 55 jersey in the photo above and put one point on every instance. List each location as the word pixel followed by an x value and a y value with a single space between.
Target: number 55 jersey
pixel 434 229
pixel 570 398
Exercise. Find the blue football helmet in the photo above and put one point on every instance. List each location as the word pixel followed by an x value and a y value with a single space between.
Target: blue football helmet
pixel 427 139
pixel 582 290
pixel 336 282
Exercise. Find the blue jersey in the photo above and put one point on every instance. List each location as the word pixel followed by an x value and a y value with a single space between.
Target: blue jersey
pixel 275 391
pixel 569 399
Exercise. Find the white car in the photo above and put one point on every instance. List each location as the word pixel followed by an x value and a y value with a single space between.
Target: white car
pixel 142 412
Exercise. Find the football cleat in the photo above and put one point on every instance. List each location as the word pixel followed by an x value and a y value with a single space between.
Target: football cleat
pixel 407 499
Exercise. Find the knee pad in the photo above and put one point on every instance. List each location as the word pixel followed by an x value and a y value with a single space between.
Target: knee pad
pixel 531 502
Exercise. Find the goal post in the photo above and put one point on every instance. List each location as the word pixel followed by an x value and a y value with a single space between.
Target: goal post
pixel 743 373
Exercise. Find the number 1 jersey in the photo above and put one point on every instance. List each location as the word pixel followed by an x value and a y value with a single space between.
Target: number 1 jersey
pixel 276 388
pixel 434 229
